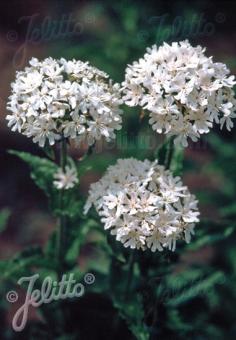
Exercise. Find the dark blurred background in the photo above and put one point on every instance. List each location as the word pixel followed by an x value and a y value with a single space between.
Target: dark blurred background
pixel 110 35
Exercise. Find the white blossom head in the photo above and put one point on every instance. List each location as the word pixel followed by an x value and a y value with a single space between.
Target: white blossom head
pixel 184 91
pixel 143 205
pixel 65 179
pixel 54 99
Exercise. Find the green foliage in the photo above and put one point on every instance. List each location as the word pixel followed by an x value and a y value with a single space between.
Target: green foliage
pixel 42 169
pixel 24 264
pixel 42 172
pixel 189 288
pixel 133 314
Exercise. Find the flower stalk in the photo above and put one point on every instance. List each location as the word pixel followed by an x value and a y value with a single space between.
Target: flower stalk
pixel 131 263
pixel 61 247
pixel 169 153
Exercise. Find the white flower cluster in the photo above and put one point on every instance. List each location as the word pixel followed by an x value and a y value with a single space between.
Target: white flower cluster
pixel 144 205
pixel 64 180
pixel 184 91
pixel 52 99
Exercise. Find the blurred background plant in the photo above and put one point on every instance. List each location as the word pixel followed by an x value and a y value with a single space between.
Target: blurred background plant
pixel 188 294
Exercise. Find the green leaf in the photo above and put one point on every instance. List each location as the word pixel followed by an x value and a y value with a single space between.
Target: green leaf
pixel 201 287
pixel 42 172
pixel 23 264
pixel 133 314
pixel 42 169
pixel 49 151
pixel 210 232
pixel 73 252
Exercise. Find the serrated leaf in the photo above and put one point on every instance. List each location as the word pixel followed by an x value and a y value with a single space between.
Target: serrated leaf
pixel 42 169
pixel 198 288
pixel 23 263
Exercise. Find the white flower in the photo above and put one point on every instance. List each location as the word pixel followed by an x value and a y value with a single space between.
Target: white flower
pixel 143 205
pixel 65 179
pixel 53 99
pixel 184 91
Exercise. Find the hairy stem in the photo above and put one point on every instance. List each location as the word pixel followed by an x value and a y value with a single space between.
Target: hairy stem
pixel 130 273
pixel 62 219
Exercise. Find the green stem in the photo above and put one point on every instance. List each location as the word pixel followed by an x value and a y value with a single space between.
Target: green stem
pixel 130 273
pixel 169 153
pixel 63 154
pixel 62 219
